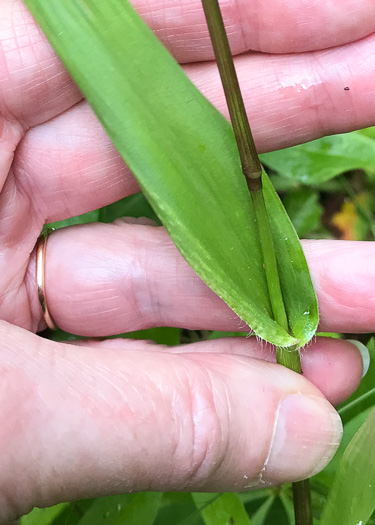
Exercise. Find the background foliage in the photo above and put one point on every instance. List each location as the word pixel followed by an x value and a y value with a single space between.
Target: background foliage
pixel 327 187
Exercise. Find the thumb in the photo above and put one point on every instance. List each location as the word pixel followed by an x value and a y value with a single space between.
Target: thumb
pixel 79 422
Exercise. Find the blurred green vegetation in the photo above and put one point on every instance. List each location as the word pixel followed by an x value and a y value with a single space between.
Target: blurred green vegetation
pixel 327 187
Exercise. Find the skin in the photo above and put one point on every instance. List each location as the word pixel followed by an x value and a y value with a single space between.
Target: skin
pixel 104 417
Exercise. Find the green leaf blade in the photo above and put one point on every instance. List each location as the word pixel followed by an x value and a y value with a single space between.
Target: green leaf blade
pixel 181 150
pixel 298 292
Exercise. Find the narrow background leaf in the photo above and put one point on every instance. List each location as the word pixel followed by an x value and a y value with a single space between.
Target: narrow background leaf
pixel 260 516
pixel 351 500
pixel 364 397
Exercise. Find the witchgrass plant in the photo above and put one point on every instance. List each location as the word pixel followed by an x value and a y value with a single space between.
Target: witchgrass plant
pixel 184 155
pixel 252 170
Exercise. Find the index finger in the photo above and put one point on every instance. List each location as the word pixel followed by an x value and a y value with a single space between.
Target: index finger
pixel 37 87
pixel 269 26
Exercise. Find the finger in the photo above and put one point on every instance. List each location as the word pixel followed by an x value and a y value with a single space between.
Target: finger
pixel 10 136
pixel 334 366
pixel 35 87
pixel 38 88
pixel 70 148
pixel 264 26
pixel 295 98
pixel 103 279
pixel 344 278
pixel 32 74
pixel 69 166
pixel 113 422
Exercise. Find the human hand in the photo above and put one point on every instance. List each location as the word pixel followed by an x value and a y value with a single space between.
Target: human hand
pixel 113 416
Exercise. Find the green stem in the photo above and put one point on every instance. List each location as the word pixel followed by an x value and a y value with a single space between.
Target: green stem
pixel 290 358
pixel 302 502
pixel 252 170
pixel 251 166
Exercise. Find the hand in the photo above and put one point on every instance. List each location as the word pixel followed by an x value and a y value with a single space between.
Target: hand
pixel 104 417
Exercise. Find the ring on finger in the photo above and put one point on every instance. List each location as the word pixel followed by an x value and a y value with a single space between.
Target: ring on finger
pixel 41 248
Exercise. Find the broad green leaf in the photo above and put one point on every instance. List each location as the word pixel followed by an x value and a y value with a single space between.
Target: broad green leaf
pixel 286 184
pixel 304 210
pixel 226 509
pixel 323 159
pixel 184 156
pixel 352 497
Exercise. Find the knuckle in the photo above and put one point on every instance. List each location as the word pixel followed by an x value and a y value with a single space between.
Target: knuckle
pixel 209 414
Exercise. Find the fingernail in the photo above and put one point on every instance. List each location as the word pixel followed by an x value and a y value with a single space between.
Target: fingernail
pixel 365 354
pixel 306 434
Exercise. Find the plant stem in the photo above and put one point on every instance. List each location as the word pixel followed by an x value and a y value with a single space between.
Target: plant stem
pixel 251 166
pixel 252 170
pixel 302 502
pixel 290 358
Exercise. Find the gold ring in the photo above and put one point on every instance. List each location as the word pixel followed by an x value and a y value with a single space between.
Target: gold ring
pixel 41 247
